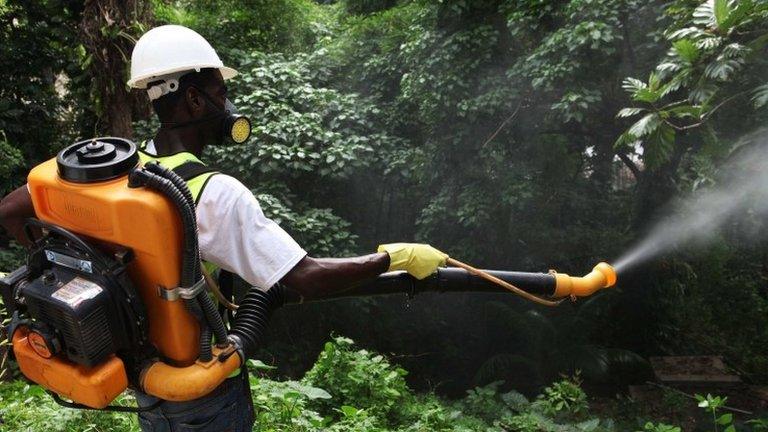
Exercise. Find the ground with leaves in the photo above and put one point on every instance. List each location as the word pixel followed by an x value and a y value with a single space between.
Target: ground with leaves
pixel 352 389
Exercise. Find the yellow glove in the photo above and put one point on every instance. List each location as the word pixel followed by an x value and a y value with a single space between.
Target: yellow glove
pixel 419 260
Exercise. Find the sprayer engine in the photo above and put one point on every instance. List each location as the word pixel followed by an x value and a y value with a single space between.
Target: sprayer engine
pixel 112 289
pixel 74 301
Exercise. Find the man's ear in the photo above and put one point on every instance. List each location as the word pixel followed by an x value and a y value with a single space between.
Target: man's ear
pixel 195 102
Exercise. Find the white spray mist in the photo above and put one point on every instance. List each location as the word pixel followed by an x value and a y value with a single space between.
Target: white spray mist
pixel 741 193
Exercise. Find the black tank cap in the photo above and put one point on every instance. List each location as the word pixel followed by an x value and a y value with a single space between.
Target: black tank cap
pixel 97 159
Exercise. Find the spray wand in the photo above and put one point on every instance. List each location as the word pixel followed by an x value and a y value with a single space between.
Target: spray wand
pixel 602 276
pixel 493 279
pixel 548 289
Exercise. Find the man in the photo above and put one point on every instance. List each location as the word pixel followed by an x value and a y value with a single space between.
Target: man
pixel 185 79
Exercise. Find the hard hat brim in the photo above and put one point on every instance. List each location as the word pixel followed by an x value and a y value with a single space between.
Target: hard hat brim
pixel 141 82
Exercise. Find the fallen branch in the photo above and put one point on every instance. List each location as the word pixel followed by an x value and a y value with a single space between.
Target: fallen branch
pixel 682 393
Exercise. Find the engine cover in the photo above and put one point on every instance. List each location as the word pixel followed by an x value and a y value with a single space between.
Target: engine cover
pixel 77 301
pixel 82 312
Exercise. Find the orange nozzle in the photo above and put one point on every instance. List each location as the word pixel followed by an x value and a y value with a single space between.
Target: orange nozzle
pixel 602 276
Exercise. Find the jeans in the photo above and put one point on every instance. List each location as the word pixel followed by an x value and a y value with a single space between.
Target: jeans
pixel 228 408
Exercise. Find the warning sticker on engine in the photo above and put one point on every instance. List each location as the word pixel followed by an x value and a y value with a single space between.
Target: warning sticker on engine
pixel 77 290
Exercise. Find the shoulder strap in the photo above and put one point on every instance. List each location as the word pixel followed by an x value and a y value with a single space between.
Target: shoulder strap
pixel 191 169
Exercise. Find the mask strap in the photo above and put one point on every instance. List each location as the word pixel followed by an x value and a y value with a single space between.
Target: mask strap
pixel 176 125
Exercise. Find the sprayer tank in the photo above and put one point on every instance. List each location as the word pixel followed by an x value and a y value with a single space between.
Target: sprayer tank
pixel 100 205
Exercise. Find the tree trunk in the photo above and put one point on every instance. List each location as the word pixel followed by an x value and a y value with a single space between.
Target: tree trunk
pixel 109 29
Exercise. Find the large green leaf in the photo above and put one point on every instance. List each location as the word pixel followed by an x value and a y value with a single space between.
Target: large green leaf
pixel 658 146
pixel 630 112
pixel 760 96
pixel 686 50
pixel 721 11
pixel 646 125
pixel 633 85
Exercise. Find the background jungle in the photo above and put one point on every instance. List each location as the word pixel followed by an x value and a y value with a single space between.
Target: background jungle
pixel 513 134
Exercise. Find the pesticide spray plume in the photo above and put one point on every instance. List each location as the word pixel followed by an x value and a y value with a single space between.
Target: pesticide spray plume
pixel 741 193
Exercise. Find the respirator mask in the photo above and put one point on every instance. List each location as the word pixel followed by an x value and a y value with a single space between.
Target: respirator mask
pixel 235 128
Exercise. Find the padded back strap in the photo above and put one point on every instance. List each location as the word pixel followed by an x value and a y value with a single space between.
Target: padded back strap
pixel 191 169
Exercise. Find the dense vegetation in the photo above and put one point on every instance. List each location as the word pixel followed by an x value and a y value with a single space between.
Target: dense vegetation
pixel 359 391
pixel 515 134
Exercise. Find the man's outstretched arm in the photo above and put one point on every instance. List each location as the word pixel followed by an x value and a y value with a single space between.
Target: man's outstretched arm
pixel 317 278
pixel 15 209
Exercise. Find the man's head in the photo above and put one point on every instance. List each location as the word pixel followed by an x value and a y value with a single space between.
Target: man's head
pixel 184 79
pixel 198 102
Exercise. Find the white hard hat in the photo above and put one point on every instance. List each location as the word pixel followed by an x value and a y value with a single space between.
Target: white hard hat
pixel 170 51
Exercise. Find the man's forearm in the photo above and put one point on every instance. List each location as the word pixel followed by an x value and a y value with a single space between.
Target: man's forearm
pixel 316 278
pixel 15 209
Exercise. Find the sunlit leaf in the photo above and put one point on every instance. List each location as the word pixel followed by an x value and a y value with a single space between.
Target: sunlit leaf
pixel 626 140
pixel 760 96
pixel 687 32
pixel 629 112
pixel 645 125
pixel 665 68
pixel 633 85
pixel 704 14
pixel 722 69
pixel 709 42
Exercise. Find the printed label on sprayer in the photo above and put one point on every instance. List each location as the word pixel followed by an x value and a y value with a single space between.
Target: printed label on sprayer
pixel 77 290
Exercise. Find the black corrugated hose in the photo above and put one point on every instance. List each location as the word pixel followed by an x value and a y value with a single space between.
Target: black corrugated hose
pixel 206 304
pixel 177 181
pixel 190 264
pixel 253 315
pixel 193 305
pixel 171 185
pixel 256 308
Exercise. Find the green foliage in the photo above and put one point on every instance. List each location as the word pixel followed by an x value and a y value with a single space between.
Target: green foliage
pixel 12 257
pixel 362 7
pixel 29 408
pixel 361 387
pixel 357 378
pixel 284 405
pixel 710 65
pixel 484 402
pixel 39 51
pixel 759 425
pixel 714 405
pixel 319 231
pixel 565 396
pixel 300 129
pixel 11 161
pixel 660 427
pixel 707 299
pixel 267 25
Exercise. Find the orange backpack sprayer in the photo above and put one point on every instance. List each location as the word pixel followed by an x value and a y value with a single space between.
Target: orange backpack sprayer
pixel 113 295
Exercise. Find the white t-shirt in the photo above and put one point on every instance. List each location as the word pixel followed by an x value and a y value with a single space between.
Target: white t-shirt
pixel 234 234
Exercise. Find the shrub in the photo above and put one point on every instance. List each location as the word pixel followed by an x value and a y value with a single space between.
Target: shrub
pixel 564 397
pixel 358 378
